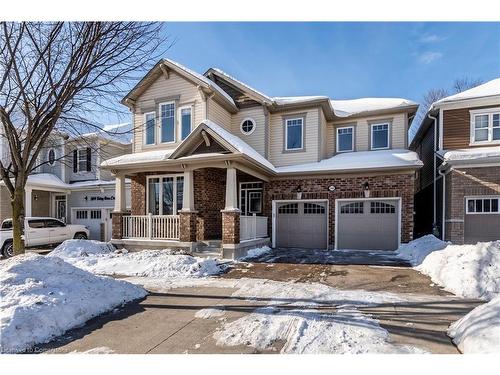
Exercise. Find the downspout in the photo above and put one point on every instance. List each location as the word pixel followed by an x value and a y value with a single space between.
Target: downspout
pixel 434 177
pixel 443 218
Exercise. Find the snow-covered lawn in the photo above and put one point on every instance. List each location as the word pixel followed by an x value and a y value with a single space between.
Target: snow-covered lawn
pixel 470 271
pixel 42 297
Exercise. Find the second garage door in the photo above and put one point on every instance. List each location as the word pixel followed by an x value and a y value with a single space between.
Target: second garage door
pixel 367 224
pixel 302 225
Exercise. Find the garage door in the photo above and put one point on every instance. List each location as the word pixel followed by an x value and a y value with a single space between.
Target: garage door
pixel 367 225
pixel 301 225
pixel 91 218
pixel 482 219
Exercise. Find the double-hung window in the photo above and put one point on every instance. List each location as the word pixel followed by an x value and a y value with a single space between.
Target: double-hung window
pixel 485 126
pixel 82 159
pixel 380 136
pixel 294 134
pixel 167 118
pixel 150 128
pixel 186 116
pixel 345 139
pixel 165 194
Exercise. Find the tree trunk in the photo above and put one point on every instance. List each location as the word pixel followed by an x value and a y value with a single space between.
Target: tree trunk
pixel 18 220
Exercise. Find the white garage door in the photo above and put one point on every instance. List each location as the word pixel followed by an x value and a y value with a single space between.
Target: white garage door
pixel 91 218
pixel 367 224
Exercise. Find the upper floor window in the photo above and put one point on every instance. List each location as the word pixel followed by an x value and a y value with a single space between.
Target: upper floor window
pixel 51 157
pixel 380 136
pixel 485 126
pixel 82 160
pixel 247 126
pixel 149 122
pixel 345 139
pixel 186 124
pixel 294 134
pixel 167 118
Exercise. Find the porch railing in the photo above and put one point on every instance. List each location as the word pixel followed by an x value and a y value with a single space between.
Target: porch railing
pixel 151 227
pixel 252 227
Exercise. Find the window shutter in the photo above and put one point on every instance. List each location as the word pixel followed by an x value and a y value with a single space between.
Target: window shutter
pixel 75 161
pixel 89 159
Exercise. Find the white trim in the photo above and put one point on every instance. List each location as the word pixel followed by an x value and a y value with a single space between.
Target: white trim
pixel 174 193
pixel 489 112
pixel 179 125
pixel 441 135
pixel 388 135
pixel 273 219
pixel 160 127
pixel 253 128
pixel 249 199
pixel 240 190
pixel 337 139
pixel 337 205
pixel 477 197
pixel 145 131
pixel 301 134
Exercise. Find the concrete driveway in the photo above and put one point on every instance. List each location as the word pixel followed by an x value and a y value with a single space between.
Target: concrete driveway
pixel 165 322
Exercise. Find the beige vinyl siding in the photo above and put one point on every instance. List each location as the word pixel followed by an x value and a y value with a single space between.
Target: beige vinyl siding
pixel 311 129
pixel 109 151
pixel 175 85
pixel 330 140
pixel 324 152
pixel 258 138
pixel 5 206
pixel 218 114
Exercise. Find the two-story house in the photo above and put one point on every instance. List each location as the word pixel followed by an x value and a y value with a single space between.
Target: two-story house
pixel 218 163
pixel 68 183
pixel 459 185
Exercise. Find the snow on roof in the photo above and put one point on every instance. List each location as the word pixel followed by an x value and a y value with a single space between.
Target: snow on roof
pixel 121 133
pixel 359 160
pixel 202 78
pixel 346 108
pixel 490 88
pixel 470 154
pixel 282 100
pixel 221 72
pixel 46 180
pixel 139 157
pixel 93 183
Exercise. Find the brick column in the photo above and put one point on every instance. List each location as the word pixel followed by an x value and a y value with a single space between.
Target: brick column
pixel 187 223
pixel 230 226
pixel 117 225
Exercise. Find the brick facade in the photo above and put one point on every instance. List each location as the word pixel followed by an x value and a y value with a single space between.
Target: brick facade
pixel 187 226
pixel 230 227
pixel 116 225
pixel 138 194
pixel 461 183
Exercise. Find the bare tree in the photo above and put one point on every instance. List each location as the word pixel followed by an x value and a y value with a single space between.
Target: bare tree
pixel 465 83
pixel 58 76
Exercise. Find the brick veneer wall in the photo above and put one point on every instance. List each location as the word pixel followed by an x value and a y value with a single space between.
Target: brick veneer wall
pixel 460 184
pixel 393 185
pixel 138 194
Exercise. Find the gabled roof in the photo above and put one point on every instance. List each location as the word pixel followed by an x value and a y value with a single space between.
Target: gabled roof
pixel 488 89
pixel 120 134
pixel 191 75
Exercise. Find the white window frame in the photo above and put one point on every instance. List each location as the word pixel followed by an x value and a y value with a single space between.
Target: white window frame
pixel 337 139
pixel 78 151
pixel 301 134
pixel 467 199
pixel 174 203
pixel 179 123
pixel 52 149
pixel 253 128
pixel 155 126
pixel 243 192
pixel 485 112
pixel 388 135
pixel 160 127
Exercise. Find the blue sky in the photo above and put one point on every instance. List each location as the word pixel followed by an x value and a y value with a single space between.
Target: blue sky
pixel 341 60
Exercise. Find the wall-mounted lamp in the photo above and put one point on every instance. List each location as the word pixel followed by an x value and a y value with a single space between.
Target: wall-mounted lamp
pixel 35 197
pixel 366 188
pixel 299 192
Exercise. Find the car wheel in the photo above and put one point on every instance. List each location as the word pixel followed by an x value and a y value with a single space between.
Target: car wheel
pixel 8 250
pixel 80 236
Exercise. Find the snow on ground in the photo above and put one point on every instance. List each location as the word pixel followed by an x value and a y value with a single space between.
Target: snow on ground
pixel 478 331
pixel 210 312
pixel 42 297
pixel 257 252
pixel 96 257
pixel 416 250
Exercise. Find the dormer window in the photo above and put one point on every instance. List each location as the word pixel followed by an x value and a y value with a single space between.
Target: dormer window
pixel 345 139
pixel 485 126
pixel 380 136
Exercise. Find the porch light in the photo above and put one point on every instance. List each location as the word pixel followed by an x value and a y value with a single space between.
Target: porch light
pixel 366 188
pixel 299 192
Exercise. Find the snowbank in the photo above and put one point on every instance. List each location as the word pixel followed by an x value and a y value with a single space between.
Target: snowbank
pixel 257 252
pixel 416 250
pixel 81 248
pixel 42 297
pixel 478 331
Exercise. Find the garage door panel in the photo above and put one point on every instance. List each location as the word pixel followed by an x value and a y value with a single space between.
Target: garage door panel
pixel 481 228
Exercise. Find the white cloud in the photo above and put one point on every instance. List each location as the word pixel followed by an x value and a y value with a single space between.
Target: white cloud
pixel 431 38
pixel 429 57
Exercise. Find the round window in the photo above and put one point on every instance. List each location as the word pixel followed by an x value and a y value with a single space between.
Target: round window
pixel 247 126
pixel 52 156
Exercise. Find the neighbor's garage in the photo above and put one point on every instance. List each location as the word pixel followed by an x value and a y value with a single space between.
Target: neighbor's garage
pixel 96 220
pixel 302 224
pixel 364 224
pixel 482 219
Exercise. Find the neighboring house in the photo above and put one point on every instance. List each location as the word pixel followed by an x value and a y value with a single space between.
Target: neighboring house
pixel 459 143
pixel 69 184
pixel 216 161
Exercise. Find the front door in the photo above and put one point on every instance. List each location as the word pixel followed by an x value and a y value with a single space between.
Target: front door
pixel 61 207
pixel 251 198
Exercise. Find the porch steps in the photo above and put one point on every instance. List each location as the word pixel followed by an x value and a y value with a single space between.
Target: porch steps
pixel 210 248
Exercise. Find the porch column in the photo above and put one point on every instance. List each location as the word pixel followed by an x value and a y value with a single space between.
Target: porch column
pixel 187 216
pixel 231 213
pixel 117 215
pixel 28 201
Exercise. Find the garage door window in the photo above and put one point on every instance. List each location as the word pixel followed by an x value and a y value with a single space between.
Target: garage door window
pixel 291 208
pixel 313 208
pixel 382 208
pixel 483 205
pixel 352 208
pixel 81 214
pixel 95 214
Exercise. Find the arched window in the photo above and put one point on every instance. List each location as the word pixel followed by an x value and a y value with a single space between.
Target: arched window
pixel 51 156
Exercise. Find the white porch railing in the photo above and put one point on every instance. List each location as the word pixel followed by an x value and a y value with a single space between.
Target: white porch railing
pixel 151 227
pixel 252 227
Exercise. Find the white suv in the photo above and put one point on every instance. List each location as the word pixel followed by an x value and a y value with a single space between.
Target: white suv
pixel 39 232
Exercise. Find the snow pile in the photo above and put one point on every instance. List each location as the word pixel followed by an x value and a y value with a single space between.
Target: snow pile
pixel 139 157
pixel 416 250
pixel 81 248
pixel 42 297
pixel 490 88
pixel 346 108
pixel 284 100
pixel 257 252
pixel 478 331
